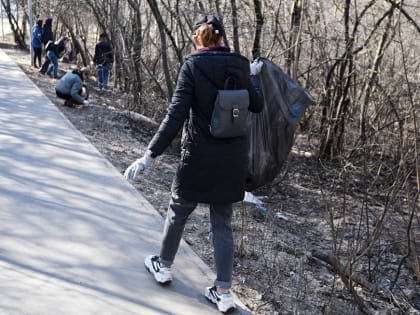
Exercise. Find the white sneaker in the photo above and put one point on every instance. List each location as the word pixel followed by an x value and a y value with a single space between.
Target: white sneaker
pixel 224 302
pixel 163 275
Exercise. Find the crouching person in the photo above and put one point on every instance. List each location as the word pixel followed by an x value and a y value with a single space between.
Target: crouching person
pixel 71 87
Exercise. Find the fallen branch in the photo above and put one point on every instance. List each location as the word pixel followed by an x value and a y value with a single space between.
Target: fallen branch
pixel 348 278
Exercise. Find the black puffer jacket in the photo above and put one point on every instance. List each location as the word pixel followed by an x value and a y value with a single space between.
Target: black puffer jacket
pixel 103 53
pixel 211 170
pixel 46 33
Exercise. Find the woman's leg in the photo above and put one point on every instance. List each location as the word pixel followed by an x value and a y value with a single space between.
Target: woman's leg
pixel 54 67
pixel 34 61
pixel 39 52
pixel 105 76
pixel 221 217
pixel 100 73
pixel 45 65
pixel 63 96
pixel 177 215
pixel 37 55
pixel 219 294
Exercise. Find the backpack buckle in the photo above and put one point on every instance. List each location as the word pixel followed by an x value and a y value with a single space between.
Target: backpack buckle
pixel 235 112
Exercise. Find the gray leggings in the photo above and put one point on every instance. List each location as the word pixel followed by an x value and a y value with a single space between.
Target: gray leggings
pixel 220 218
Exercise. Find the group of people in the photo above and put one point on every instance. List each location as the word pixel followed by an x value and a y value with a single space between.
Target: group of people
pixel 43 37
pixel 71 86
pixel 211 170
pixel 41 34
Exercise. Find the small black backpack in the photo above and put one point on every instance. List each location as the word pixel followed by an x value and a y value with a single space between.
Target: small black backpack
pixel 230 113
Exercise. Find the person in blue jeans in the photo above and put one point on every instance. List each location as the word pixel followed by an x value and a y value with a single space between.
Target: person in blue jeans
pixel 54 53
pixel 47 35
pixel 211 170
pixel 103 59
pixel 36 42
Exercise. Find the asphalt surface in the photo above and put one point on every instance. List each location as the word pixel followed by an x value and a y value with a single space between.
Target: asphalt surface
pixel 73 232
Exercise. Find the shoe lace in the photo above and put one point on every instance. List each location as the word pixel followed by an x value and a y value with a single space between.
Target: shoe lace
pixel 213 291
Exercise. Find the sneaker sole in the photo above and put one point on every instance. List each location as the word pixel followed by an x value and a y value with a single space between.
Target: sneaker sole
pixel 229 310
pixel 160 282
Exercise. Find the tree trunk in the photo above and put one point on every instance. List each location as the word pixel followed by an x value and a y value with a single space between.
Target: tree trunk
pixel 235 26
pixel 295 29
pixel 256 49
pixel 163 46
pixel 367 90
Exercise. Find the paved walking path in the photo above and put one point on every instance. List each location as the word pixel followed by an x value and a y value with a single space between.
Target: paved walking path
pixel 73 231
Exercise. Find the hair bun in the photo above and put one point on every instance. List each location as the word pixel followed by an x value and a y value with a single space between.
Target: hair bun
pixel 212 20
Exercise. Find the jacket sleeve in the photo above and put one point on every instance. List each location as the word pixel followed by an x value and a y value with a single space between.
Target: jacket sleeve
pixel 178 111
pixel 256 96
pixel 38 36
pixel 96 55
pixel 109 54
pixel 74 92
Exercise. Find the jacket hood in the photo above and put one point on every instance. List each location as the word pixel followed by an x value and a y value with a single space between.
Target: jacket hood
pixel 217 65
pixel 77 71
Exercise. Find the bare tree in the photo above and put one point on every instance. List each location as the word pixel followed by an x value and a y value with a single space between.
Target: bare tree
pixel 18 32
pixel 256 50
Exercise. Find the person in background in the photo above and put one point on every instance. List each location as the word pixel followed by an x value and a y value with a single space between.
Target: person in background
pixel 211 170
pixel 103 59
pixel 70 87
pixel 47 35
pixel 54 53
pixel 37 43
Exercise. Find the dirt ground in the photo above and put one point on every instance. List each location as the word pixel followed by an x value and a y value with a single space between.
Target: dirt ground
pixel 275 269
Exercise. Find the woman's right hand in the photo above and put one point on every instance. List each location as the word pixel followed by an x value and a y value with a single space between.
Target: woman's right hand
pixel 256 66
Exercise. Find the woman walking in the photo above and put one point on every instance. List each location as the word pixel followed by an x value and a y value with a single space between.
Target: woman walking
pixel 211 170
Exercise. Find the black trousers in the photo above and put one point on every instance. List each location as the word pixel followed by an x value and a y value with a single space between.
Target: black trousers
pixel 67 96
pixel 84 92
pixel 37 55
pixel 45 65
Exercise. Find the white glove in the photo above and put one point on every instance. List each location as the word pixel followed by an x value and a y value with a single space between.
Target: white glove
pixel 138 166
pixel 86 102
pixel 255 66
pixel 257 200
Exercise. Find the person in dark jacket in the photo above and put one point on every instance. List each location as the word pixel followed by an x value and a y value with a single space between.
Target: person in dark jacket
pixel 46 36
pixel 47 33
pixel 103 59
pixel 54 53
pixel 70 87
pixel 211 170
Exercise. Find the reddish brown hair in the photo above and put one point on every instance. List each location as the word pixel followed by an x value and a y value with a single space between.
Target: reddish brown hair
pixel 206 35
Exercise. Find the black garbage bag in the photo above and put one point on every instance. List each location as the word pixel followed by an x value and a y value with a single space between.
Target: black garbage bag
pixel 271 132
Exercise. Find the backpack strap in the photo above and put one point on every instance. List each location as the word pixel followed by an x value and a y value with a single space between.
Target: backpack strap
pixel 230 83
